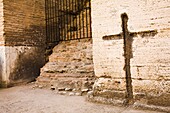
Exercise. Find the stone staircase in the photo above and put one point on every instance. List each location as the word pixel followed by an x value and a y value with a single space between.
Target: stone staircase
pixel 70 68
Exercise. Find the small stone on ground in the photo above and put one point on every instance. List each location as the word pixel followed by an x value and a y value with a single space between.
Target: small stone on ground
pixel 24 99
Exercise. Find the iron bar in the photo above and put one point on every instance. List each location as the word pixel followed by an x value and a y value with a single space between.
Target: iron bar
pixel 63 19
pixel 86 20
pixel 76 10
pixel 46 19
pixel 50 21
pixel 79 10
pixel 83 19
pixel 72 19
pixel 53 17
pixel 67 20
pixel 56 10
pixel 90 18
pixel 58 21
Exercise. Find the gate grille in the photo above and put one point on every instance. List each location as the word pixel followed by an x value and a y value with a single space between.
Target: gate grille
pixel 67 20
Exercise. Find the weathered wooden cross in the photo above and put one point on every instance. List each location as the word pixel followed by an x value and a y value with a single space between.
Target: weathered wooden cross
pixel 128 39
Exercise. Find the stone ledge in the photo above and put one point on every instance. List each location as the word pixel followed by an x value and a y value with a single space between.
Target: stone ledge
pixel 151 107
pixel 98 99
pixel 117 102
pixel 75 75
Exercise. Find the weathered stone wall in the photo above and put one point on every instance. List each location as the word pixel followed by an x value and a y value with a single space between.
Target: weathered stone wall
pixel 24 22
pixel 24 28
pixel 70 66
pixel 150 52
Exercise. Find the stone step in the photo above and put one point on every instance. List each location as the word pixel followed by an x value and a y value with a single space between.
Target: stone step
pixel 70 68
pixel 73 75
pixel 66 82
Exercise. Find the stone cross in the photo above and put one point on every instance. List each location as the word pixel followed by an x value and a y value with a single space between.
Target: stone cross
pixel 128 39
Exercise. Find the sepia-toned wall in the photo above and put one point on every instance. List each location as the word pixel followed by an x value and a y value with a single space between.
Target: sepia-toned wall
pixel 149 64
pixel 2 48
pixel 24 35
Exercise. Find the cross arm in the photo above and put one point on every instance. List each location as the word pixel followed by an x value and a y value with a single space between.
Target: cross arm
pixel 131 34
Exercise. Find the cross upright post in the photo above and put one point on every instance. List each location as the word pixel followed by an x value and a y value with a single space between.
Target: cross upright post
pixel 128 56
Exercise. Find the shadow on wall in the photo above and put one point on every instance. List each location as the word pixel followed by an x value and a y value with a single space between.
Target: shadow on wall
pixel 30 49
pixel 27 66
pixel 3 83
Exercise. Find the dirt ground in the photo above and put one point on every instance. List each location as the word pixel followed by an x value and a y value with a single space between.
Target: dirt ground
pixel 25 99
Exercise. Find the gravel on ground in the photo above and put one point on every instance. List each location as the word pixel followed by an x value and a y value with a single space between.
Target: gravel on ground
pixel 26 99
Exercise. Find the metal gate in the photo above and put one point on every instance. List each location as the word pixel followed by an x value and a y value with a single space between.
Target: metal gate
pixel 67 20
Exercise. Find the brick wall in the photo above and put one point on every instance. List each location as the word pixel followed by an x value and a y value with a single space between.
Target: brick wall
pixel 1 23
pixel 24 22
pixel 149 64
pixel 24 34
